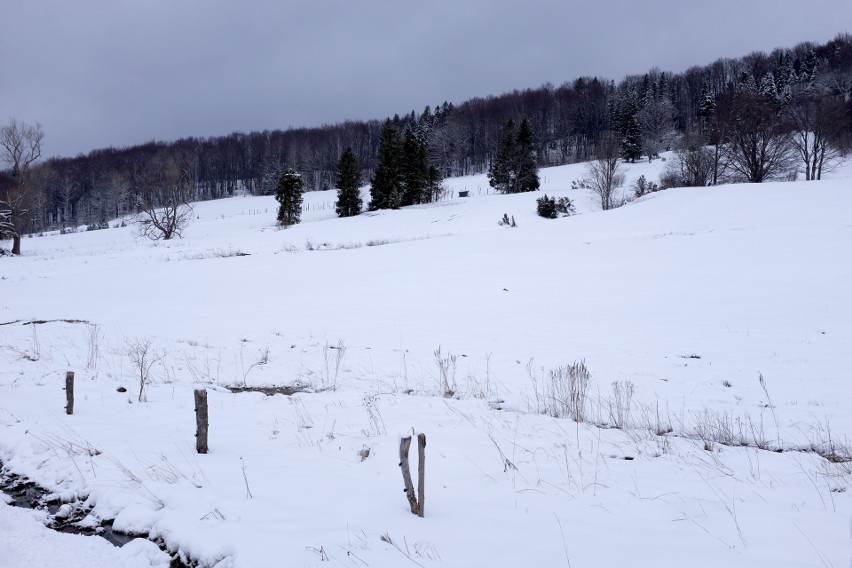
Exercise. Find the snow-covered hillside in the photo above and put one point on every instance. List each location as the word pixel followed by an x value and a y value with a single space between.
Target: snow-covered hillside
pixel 723 316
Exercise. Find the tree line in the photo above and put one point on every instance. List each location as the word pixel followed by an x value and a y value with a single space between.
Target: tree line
pixel 803 94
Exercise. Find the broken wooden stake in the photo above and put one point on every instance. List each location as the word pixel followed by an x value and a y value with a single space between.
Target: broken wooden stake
pixel 421 473
pixel 201 421
pixel 69 392
pixel 416 502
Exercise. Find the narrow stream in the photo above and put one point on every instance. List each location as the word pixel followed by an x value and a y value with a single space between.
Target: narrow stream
pixel 66 517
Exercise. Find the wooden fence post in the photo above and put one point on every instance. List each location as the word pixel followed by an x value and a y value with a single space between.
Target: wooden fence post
pixel 421 474
pixel 415 502
pixel 201 421
pixel 69 392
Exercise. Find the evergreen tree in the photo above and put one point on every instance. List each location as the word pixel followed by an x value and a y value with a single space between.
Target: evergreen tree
pixel 706 104
pixel 785 74
pixel 626 122
pixel 386 184
pixel 546 207
pixel 414 170
pixel 768 87
pixel 748 83
pixel 514 168
pixel 348 184
pixel 646 91
pixel 526 167
pixel 631 140
pixel 425 123
pixel 434 186
pixel 288 193
pixel 501 175
pixel 810 67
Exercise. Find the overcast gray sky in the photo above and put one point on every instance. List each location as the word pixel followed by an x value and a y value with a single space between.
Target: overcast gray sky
pixel 100 73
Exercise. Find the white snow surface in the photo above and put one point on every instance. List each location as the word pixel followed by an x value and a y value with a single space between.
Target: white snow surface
pixel 27 543
pixel 690 295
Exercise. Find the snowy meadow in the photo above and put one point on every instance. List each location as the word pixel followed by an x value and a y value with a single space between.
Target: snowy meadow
pixel 664 382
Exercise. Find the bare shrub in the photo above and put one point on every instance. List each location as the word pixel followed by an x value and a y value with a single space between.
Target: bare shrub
pixel 93 334
pixel 143 357
pixel 720 428
pixel 262 359
pixel 446 372
pixel 476 388
pixel 654 420
pixel 332 356
pixel 771 407
pixel 35 352
pixel 377 422
pixel 620 403
pixel 694 165
pixel 564 394
pixel 823 442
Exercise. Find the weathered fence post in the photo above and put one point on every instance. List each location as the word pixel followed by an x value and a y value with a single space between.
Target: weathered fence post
pixel 69 392
pixel 201 421
pixel 404 444
pixel 416 502
pixel 421 473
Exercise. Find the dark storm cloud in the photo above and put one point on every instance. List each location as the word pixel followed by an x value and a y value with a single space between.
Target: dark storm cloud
pixel 112 73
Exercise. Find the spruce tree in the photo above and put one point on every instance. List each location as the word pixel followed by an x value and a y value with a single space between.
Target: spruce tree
pixel 414 170
pixel 348 184
pixel 626 123
pixel 501 174
pixel 386 184
pixel 809 70
pixel 288 193
pixel 631 140
pixel 526 168
pixel 434 186
pixel 706 103
pixel 514 168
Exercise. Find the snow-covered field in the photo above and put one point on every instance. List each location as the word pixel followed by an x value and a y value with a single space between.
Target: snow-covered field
pixel 726 310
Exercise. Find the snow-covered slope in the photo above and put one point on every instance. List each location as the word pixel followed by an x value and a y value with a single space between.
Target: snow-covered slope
pixel 727 311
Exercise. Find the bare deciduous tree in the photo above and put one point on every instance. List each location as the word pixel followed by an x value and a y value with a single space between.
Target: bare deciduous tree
pixel 602 174
pixel 19 207
pixel 693 165
pixel 20 146
pixel 655 120
pixel 165 190
pixel 818 122
pixel 757 146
